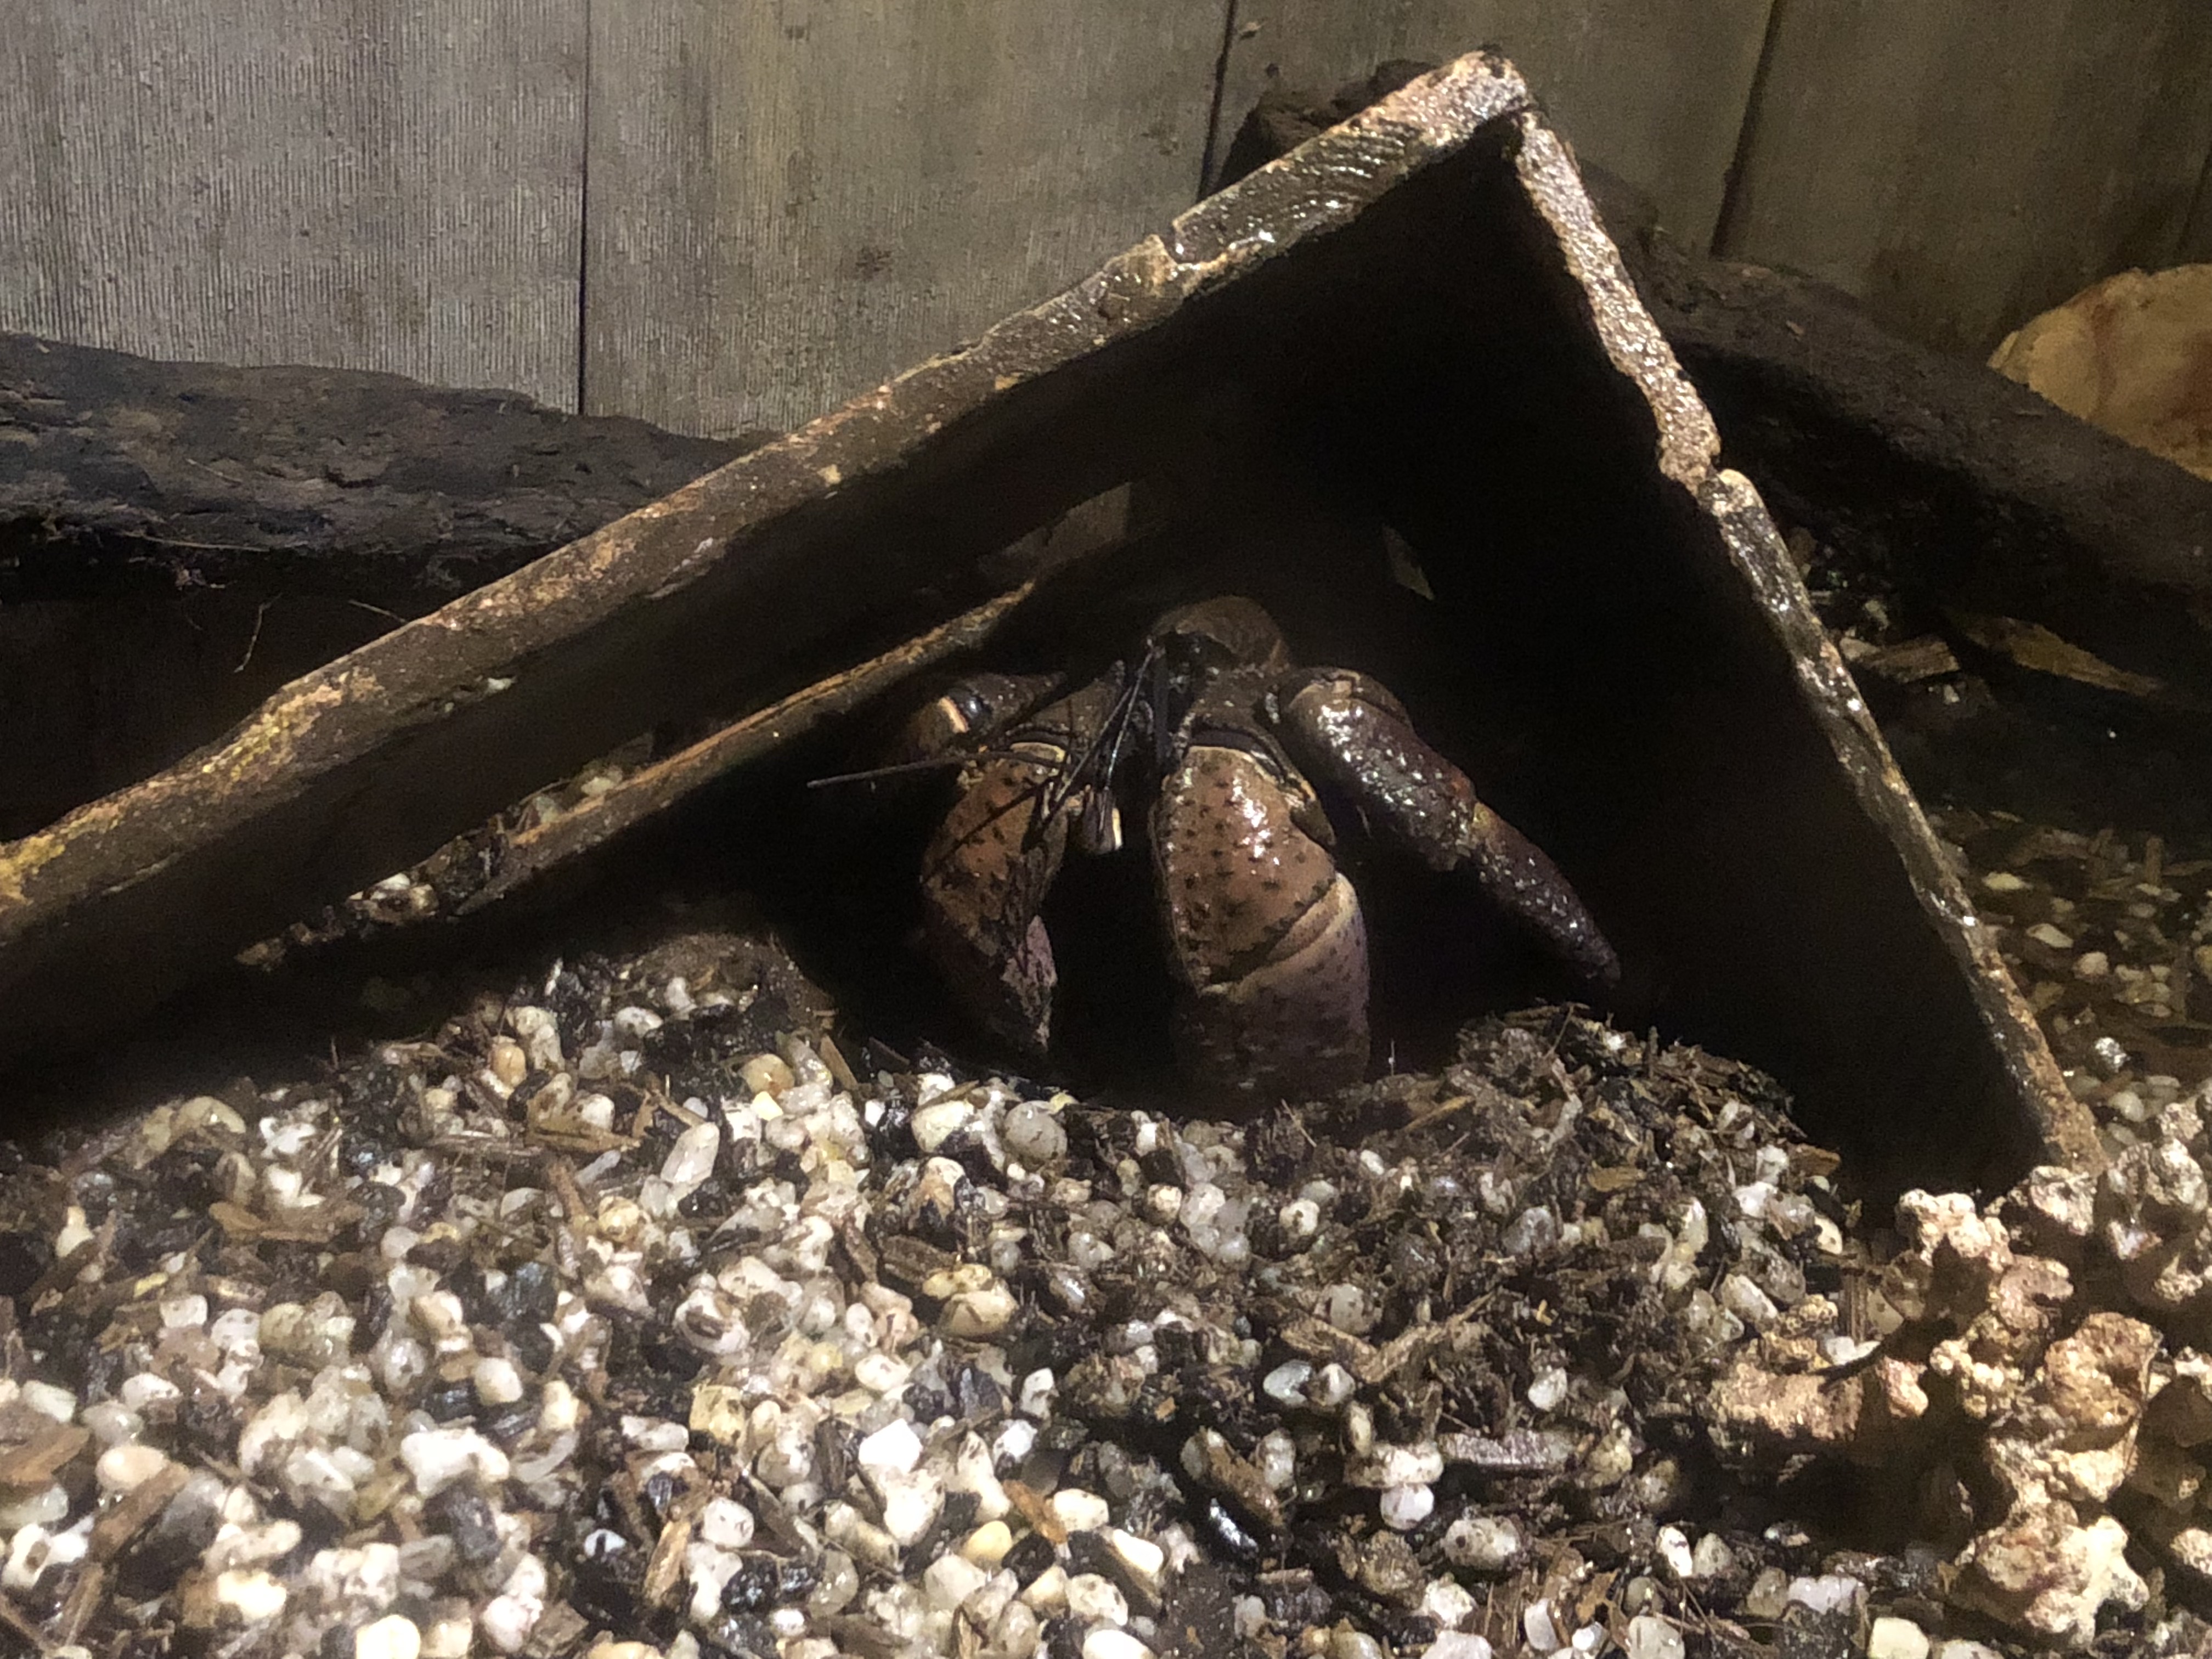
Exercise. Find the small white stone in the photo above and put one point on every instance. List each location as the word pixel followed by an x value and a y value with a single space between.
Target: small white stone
pixel 1547 1389
pixel 1143 1560
pixel 934 1125
pixel 1483 1542
pixel 952 1579
pixel 1896 1638
pixel 127 1467
pixel 691 1160
pixel 1650 1636
pixel 250 1595
pixel 1095 1599
pixel 726 1523
pixel 394 1637
pixel 1286 1384
pixel 1712 1559
pixel 2043 933
pixel 912 1504
pixel 987 1545
pixel 1405 1507
pixel 1078 1510
pixel 1047 1591
pixel 1114 1644
pixel 2092 964
pixel 980 1313
pixel 895 1449
pixel 437 1457
pixel 498 1382
pixel 57 1403
pixel 1457 1645
pixel 1540 1628
pixel 1829 1593
pixel 184 1313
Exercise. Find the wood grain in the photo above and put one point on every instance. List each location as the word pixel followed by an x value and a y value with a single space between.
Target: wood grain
pixel 1654 93
pixel 371 184
pixel 792 199
pixel 1962 167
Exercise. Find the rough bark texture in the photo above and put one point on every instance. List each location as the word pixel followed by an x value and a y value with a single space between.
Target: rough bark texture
pixel 117 472
pixel 177 540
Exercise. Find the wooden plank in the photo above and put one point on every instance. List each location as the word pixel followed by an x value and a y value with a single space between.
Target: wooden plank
pixel 790 202
pixel 370 186
pixel 1962 167
pixel 1655 94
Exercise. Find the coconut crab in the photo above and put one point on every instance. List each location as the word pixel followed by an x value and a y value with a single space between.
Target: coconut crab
pixel 1218 741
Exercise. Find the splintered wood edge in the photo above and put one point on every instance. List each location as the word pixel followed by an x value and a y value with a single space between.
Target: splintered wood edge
pixel 1688 453
pixel 651 790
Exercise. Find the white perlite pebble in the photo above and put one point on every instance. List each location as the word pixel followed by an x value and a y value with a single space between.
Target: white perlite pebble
pixel 1650 1636
pixel 1485 1543
pixel 251 1595
pixel 1542 1629
pixel 726 1523
pixel 1829 1593
pixel 1457 1645
pixel 1078 1510
pixel 1095 1600
pixel 895 1449
pixel 127 1467
pixel 691 1160
pixel 1547 1389
pixel 439 1457
pixel 912 1504
pixel 1405 1507
pixel 498 1382
pixel 394 1637
pixel 1896 1638
pixel 58 1403
pixel 1114 1644
pixel 951 1580
pixel 1143 1559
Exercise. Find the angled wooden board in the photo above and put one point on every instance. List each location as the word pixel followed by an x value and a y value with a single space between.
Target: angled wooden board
pixel 1655 94
pixel 791 200
pixel 1960 168
pixel 299 181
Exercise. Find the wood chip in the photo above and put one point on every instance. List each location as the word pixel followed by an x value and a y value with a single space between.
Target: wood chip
pixel 117 1526
pixel 35 1461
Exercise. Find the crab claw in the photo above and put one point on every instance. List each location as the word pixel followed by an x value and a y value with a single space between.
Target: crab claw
pixel 983 880
pixel 1348 730
pixel 996 855
pixel 1265 937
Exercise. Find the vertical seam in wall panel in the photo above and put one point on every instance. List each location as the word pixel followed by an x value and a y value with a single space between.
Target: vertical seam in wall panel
pixel 2195 239
pixel 1210 160
pixel 584 222
pixel 1725 222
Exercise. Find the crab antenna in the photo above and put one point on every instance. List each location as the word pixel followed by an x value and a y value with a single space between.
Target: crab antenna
pixel 1112 733
pixel 902 769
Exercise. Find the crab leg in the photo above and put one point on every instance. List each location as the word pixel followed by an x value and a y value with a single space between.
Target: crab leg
pixel 1348 730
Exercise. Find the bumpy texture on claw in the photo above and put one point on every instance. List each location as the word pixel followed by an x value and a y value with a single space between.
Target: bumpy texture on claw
pixel 985 873
pixel 1265 936
pixel 1349 731
pixel 983 880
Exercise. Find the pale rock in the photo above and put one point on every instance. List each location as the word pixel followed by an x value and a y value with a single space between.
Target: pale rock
pixel 1095 1599
pixel 1893 1637
pixel 394 1637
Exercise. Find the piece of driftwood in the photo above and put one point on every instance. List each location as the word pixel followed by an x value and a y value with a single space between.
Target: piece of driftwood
pixel 1417 317
pixel 121 474
pixel 1967 491
pixel 177 540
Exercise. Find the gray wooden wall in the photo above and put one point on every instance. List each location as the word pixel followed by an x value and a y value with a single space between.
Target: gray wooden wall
pixel 730 213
